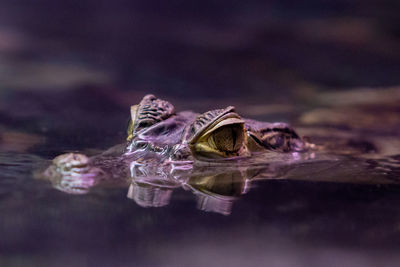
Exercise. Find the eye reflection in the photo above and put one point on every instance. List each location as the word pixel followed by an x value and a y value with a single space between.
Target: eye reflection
pixel 217 193
pixel 215 187
pixel 153 187
pixel 213 192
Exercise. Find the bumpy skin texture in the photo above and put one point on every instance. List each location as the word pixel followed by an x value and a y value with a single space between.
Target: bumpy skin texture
pixel 215 155
pixel 163 143
pixel 220 133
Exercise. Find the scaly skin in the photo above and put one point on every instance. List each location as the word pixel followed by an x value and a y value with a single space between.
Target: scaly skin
pixel 165 150
pixel 215 155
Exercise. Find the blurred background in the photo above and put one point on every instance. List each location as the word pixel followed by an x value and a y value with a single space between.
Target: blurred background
pixel 62 59
pixel 199 48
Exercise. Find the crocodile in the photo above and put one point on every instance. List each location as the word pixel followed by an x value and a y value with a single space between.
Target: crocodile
pixel 164 146
pixel 215 155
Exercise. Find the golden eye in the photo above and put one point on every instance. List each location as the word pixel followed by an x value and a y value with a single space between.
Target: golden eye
pixel 224 141
pixel 227 138
pixel 218 134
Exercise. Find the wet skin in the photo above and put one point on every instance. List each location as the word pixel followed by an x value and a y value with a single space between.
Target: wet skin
pixel 221 133
pixel 158 135
pixel 165 149
pixel 215 155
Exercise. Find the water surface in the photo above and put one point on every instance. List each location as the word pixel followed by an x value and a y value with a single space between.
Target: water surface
pixel 70 71
pixel 301 209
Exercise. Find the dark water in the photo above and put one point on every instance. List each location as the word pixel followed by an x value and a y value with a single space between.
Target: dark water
pixel 329 209
pixel 70 71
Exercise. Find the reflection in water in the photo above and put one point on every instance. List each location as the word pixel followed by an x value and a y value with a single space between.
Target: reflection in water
pixel 146 195
pixel 153 186
pixel 217 204
pixel 72 174
pixel 213 193
pixel 216 187
pixel 217 193
pixel 150 186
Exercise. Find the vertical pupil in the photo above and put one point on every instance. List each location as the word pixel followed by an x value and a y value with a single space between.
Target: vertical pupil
pixel 228 138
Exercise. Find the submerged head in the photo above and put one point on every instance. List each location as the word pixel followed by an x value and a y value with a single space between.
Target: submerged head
pixel 220 133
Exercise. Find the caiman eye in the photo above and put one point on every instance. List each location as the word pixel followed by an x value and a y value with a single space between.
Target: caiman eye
pixel 218 134
pixel 228 139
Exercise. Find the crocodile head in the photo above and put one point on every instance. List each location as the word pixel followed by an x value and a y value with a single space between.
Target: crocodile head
pixel 161 142
pixel 155 128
